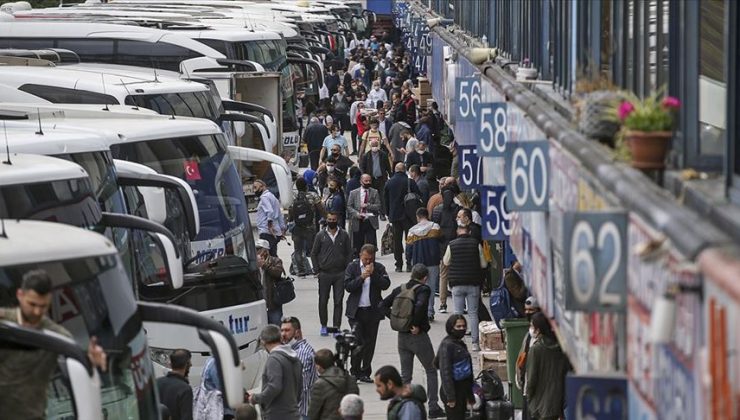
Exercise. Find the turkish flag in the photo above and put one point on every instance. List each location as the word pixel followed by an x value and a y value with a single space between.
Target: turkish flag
pixel 192 172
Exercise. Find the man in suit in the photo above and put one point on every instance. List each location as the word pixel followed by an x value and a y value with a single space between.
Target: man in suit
pixel 378 166
pixel 362 212
pixel 364 280
pixel 395 193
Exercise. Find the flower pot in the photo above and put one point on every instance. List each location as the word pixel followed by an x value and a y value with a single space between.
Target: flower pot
pixel 649 148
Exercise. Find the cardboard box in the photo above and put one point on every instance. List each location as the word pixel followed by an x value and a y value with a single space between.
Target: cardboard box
pixel 495 360
pixel 425 88
pixel 490 337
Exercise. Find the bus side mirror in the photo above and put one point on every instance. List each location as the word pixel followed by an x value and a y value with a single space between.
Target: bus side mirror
pixel 215 335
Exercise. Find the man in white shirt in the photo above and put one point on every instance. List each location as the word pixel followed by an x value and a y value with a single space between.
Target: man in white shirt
pixel 376 94
pixel 364 279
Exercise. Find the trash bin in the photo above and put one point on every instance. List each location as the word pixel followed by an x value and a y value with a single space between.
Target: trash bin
pixel 515 329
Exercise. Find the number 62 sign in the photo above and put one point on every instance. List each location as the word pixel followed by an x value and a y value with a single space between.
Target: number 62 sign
pixel 595 261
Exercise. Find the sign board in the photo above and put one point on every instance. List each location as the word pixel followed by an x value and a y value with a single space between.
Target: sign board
pixel 471 167
pixel 496 216
pixel 467 94
pixel 492 129
pixel 596 397
pixel 528 175
pixel 595 261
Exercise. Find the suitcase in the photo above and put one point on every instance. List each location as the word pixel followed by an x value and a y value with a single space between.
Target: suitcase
pixel 499 410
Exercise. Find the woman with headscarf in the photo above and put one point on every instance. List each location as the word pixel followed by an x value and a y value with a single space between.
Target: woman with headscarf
pixel 455 369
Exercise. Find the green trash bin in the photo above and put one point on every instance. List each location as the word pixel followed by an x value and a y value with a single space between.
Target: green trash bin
pixel 515 329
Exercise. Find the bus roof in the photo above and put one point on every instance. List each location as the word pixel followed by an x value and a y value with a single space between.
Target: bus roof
pixel 26 168
pixel 23 137
pixel 32 241
pixel 226 33
pixel 56 30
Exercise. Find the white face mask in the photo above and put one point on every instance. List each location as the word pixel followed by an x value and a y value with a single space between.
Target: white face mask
pixel 532 332
pixel 330 168
pixel 375 149
pixel 460 223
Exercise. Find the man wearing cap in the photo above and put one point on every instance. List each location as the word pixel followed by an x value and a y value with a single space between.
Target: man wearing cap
pixel 531 306
pixel 271 272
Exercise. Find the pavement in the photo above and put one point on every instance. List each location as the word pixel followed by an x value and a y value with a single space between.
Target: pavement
pixel 305 307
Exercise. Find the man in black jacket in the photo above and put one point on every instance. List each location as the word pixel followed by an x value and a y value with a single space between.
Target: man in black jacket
pixel 416 341
pixel 395 192
pixel 364 279
pixel 330 255
pixel 376 164
pixel 174 390
pixel 314 137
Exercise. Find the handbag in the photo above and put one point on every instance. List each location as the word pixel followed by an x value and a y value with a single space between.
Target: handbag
pixel 462 369
pixel 284 290
pixel 386 242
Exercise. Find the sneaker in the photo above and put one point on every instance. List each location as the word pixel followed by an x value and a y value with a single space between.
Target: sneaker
pixel 364 378
pixel 436 412
pixel 443 309
pixel 324 331
pixel 476 347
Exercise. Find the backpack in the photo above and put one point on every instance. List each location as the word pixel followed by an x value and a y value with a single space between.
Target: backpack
pixel 493 387
pixel 402 309
pixel 302 211
pixel 446 136
pixel 500 303
pixel 411 202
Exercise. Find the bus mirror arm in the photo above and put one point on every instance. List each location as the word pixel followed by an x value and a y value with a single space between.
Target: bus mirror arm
pixel 251 119
pixel 312 63
pixel 127 221
pixel 14 334
pixel 230 105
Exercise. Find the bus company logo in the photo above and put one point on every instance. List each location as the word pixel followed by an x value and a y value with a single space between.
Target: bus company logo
pixel 239 324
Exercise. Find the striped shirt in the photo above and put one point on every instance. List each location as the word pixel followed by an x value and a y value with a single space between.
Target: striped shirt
pixel 305 355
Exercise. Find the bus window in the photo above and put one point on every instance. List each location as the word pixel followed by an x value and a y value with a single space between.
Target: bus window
pixel 98 50
pixel 216 44
pixel 152 54
pixel 60 95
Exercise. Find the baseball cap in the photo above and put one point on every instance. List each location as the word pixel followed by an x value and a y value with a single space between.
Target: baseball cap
pixel 532 302
pixel 261 243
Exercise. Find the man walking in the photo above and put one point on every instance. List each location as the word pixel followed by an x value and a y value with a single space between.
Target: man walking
pixel 362 210
pixel 281 380
pixel 331 386
pixel 465 261
pixel 306 205
pixel 376 164
pixel 340 104
pixel 424 242
pixel 398 143
pixel 174 389
pixel 364 279
pixel 330 254
pixel 335 138
pixel 420 179
pixel 314 137
pixel 408 306
pixel 292 335
pixel 270 221
pixel 404 402
pixel 396 190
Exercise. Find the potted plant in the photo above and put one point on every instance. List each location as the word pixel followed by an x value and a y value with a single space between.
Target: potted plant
pixel 648 125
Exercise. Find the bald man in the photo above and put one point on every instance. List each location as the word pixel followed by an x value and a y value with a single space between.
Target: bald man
pixel 399 213
pixel 377 164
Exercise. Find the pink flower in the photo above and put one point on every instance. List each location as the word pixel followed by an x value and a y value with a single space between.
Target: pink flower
pixel 671 102
pixel 625 109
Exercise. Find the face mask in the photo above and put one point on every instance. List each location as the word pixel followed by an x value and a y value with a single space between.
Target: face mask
pixel 332 225
pixel 332 190
pixel 461 223
pixel 335 154
pixel 532 332
pixel 258 193
pixel 459 334
pixel 330 168
pixel 375 149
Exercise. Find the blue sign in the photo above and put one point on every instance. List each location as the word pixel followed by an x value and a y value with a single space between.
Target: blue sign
pixel 492 129
pixel 595 261
pixel 528 175
pixel 467 94
pixel 471 167
pixel 596 397
pixel 496 216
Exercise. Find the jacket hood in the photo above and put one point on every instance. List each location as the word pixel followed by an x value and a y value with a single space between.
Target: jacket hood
pixel 418 393
pixel 336 377
pixel 423 228
pixel 285 349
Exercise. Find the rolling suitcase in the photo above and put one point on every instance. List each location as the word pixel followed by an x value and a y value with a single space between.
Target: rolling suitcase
pixel 499 410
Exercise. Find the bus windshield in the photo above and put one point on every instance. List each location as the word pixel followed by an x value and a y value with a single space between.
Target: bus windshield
pixel 204 163
pixel 69 201
pixel 93 297
pixel 184 104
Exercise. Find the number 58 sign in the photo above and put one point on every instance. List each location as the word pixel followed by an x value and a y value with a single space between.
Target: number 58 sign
pixel 595 261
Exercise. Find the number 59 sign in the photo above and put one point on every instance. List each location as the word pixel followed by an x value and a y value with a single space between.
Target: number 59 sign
pixel 496 216
pixel 595 261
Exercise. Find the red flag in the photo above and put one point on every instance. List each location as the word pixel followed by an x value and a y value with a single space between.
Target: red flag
pixel 192 172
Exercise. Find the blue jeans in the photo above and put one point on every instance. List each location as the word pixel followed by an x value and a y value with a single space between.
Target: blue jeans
pixel 433 283
pixel 469 296
pixel 275 316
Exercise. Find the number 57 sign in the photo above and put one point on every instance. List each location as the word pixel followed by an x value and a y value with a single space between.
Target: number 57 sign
pixel 595 261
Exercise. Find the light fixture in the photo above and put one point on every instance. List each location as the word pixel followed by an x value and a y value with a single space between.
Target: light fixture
pixel 481 55
pixel 431 23
pixel 663 315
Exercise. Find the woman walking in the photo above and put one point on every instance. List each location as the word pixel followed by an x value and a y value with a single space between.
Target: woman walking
pixel 455 369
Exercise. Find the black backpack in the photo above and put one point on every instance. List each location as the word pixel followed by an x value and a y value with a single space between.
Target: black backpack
pixel 411 202
pixel 302 211
pixel 493 387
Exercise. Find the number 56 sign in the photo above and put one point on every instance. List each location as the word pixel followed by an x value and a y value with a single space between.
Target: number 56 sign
pixel 595 261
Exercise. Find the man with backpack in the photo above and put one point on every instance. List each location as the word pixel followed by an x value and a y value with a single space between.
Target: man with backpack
pixel 329 389
pixel 407 307
pixel 306 205
pixel 406 401
pixel 402 198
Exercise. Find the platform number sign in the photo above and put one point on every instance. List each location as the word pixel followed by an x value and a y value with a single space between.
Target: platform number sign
pixel 595 261
pixel 471 167
pixel 496 216
pixel 528 175
pixel 492 129
pixel 467 92
pixel 592 396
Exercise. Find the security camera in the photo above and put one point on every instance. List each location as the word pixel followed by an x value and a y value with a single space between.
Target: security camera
pixel 431 23
pixel 481 55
